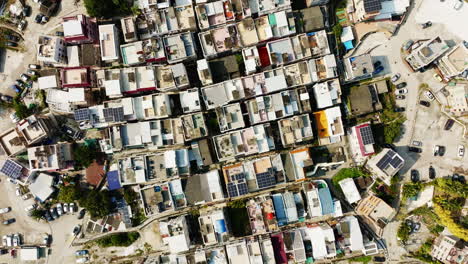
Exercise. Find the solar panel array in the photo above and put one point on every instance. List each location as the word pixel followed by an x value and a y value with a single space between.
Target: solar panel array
pixel 366 135
pixel 265 180
pixel 372 5
pixel 11 169
pixel 390 158
pixel 113 114
pixel 243 189
pixel 237 188
pixel 82 114
pixel 232 189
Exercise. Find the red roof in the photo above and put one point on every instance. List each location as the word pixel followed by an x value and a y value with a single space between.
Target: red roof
pixel 95 173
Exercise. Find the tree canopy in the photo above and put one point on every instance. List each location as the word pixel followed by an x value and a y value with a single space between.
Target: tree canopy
pixel 69 194
pixel 107 8
pixel 97 203
pixel 84 155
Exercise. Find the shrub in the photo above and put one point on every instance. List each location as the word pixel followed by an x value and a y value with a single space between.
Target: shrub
pixel 403 232
pixel 118 240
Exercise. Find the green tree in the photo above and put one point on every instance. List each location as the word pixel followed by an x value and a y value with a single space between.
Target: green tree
pixel 69 194
pixel 21 109
pixel 118 240
pixel 411 189
pixel 37 214
pixel 403 232
pixel 84 155
pixel 130 195
pixel 97 203
pixel 107 8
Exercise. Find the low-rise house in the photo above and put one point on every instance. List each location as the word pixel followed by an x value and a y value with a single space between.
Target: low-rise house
pixel 454 62
pixel 77 77
pixel 180 47
pixel 175 233
pixel 213 227
pixel 214 13
pixel 194 126
pixel 319 199
pixel 457 99
pixel 327 93
pixel 204 188
pixel 358 67
pixel 190 100
pixel 361 142
pixel 297 74
pixel 244 142
pixel 216 256
pixel 12 142
pixel 275 106
pixel 29 253
pixel 298 164
pixel 167 19
pixel 129 29
pixel 55 157
pixel 289 207
pixel 230 117
pixel 171 77
pixel 247 32
pixel 80 29
pixel 109 42
pixel 41 186
pixel 118 82
pixel 262 7
pixel 367 10
pixel 275 25
pixel 329 125
pixel 14 170
pixel 35 128
pixel 426 53
pixel 277 242
pixel 132 170
pixel 323 68
pixel 220 40
pixel 204 72
pixel 375 212
pixel 67 101
pixel 350 190
pixel 95 173
pixel 294 246
pixel 166 165
pixel 364 99
pixel 296 129
pixel 312 18
pixel 141 52
pixel 253 175
pixel 219 94
pixel 51 50
pixel 260 250
pixel 385 165
pixel 321 239
pixel 163 197
pixel 201 153
pixel 237 252
pixel 350 237
pixel 261 215
pixel 449 249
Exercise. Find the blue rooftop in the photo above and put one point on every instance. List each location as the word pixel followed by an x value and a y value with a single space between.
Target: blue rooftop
pixel 279 209
pixel 348 44
pixel 113 180
pixel 326 201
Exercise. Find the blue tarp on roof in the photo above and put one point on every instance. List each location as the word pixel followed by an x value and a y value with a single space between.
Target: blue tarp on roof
pixel 326 201
pixel 279 209
pixel 113 180
pixel 348 45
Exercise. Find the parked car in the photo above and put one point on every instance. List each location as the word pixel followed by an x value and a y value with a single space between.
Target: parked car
pixel 25 77
pixel 401 85
pixel 449 124
pixel 377 64
pixel 59 33
pixel 65 208
pixel 76 230
pixel 59 209
pixel 48 217
pixel 15 88
pixel 34 66
pixel 80 253
pixel 30 208
pixel 26 11
pixel 417 143
pixel 461 151
pixel 32 72
pixel 53 213
pixel 5 210
pixel 378 70
pixel 6 98
pixel 18 191
pixel 414 149
pixel 82 260
pixel 14 118
pixel 12 38
pixel 16 240
pixel 429 95
pixel 432 173
pixel 3 251
pixel 9 221
pixel 38 18
pixel 9 240
pixel 416 227
pixel 426 25
pixel 46 240
pixel 22 25
pixel 400 97
pixel 395 77
pixel 407 45
pixel 82 214
pixel 11 44
pixel 399 109
pixel 44 19
pixel 425 103
pixel 401 91
pixel 414 176
pixel 71 206
pixel 26 196
pixel 458 5
pixel 437 77
pixel 441 150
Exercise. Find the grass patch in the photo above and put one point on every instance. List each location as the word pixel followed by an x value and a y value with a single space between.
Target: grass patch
pixel 118 240
pixel 347 173
pixel 362 259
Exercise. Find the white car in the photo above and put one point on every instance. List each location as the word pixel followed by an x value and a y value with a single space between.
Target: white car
pixel 9 241
pixel 5 210
pixel 82 260
pixel 59 209
pixel 401 91
pixel 65 208
pixel 15 240
pixel 71 207
pixel 18 191
pixel 14 118
pixel 395 77
pixel 4 241
pixel 461 151
pixel 30 208
pixel 429 95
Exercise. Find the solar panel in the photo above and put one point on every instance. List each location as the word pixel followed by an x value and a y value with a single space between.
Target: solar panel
pixel 243 188
pixel 82 114
pixel 240 176
pixel 265 180
pixel 372 5
pixel 366 135
pixel 396 162
pixel 118 114
pixel 232 190
pixel 108 114
pixel 383 163
pixel 11 169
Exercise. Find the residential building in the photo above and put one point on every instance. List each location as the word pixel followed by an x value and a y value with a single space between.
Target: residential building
pixel 51 50
pixel 167 165
pixel 374 211
pixel 132 170
pixel 214 13
pixel 55 157
pixel 323 68
pixel 12 142
pixel 350 190
pixel 95 173
pixel 30 253
pixel 385 165
pixel 319 199
pixel 364 99
pixel 201 153
pixel 358 67
pixel 252 140
pixel 77 77
pixel 14 170
pixel 194 126
pixel 449 249
pixel 190 100
pixel 260 250
pixel 215 256
pixel 145 51
pixel 219 94
pixel 67 101
pixel 297 74
pixel 275 106
pixel 179 47
pixel 329 125
pixel 253 175
pixel 321 239
pixel 275 25
pixel 454 62
pixel 350 237
pixel 366 10
pixel 288 207
pixel 204 188
pixel 294 246
pixel 361 142
pixel 123 81
pixel 48 82
pixel 163 197
pixel 41 186
pixel 327 93
pixel 34 128
pixel 296 129
pixel 298 164
pixel 457 99
pixel 426 53
pixel 230 117
pixel 171 77
pixel 129 29
pixel 80 29
pixel 109 42
pixel 312 18
pixel 213 227
pixel 261 215
pixel 204 72
pixel 219 40
pixel 175 234
pixel 277 242
pixel 237 252
pixel 262 7
pixel 247 32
